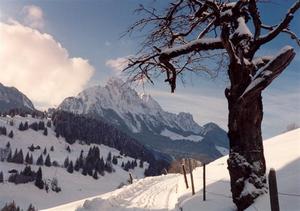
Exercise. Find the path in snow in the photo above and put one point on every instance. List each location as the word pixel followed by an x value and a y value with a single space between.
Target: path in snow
pixel 152 193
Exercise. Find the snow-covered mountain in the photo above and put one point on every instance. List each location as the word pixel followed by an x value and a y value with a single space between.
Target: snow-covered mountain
pixel 10 98
pixel 144 119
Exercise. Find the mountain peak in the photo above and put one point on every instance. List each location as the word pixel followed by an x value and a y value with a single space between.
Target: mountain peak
pixel 116 82
pixel 150 102
pixel 133 109
pixel 11 97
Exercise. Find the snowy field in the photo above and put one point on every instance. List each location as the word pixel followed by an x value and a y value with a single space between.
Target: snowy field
pixel 169 192
pixel 74 186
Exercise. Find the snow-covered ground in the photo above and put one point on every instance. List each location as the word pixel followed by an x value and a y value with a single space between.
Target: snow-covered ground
pixel 74 186
pixel 175 136
pixel 169 192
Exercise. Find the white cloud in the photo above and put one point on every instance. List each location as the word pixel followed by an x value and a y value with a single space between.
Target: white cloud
pixel 33 16
pixel 39 66
pixel 117 64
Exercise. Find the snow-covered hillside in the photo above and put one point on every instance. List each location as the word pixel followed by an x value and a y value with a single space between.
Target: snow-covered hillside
pixel 169 193
pixel 74 186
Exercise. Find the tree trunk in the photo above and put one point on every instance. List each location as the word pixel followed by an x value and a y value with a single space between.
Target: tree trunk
pixel 246 163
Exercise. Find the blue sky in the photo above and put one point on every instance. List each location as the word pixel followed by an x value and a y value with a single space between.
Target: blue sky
pixel 91 30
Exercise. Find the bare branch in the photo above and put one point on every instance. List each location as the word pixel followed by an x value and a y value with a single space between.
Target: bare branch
pixel 280 27
pixel 292 34
pixel 256 17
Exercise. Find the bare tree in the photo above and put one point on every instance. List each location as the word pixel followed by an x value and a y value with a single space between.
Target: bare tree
pixel 187 31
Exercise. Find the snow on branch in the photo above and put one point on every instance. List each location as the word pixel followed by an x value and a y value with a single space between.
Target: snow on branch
pixel 261 61
pixel 270 71
pixel 195 45
pixel 242 28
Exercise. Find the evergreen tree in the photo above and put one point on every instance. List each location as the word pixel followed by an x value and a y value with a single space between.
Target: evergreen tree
pixel 41 125
pixel 25 126
pixel 8 145
pixel 15 153
pixel 127 166
pixel 95 175
pixel 77 167
pixel 14 157
pixel 49 123
pixel 122 165
pixel 40 160
pixel 31 160
pixel 141 164
pixel 66 163
pixel 11 134
pixel 1 177
pixel 108 157
pixel 9 156
pixel 39 179
pixel 27 158
pixel 135 163
pixel 45 131
pixel 21 126
pixel 45 151
pixel 52 149
pixel 48 161
pixel 80 161
pixel 132 164
pixel 97 152
pixel 89 169
pixel 84 171
pixel 34 126
pixel 115 160
pixel 100 166
pixel 68 149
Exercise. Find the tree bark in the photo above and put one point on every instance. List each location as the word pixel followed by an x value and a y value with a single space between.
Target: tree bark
pixel 246 163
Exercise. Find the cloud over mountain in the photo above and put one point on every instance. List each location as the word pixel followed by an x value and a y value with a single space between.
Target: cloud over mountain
pixel 117 64
pixel 39 66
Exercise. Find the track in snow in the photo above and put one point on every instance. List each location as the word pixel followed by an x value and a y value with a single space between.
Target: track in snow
pixel 153 193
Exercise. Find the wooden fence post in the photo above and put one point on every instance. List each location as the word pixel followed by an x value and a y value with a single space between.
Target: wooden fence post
pixel 130 178
pixel 192 179
pixel 184 174
pixel 204 183
pixel 273 190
